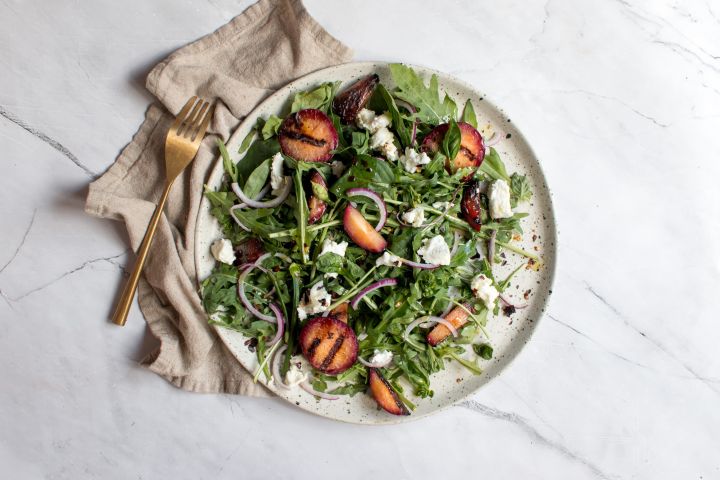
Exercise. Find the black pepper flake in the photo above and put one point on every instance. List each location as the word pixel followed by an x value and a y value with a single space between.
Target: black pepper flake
pixel 527 293
pixel 251 344
pixel 508 310
pixel 534 237
pixel 509 134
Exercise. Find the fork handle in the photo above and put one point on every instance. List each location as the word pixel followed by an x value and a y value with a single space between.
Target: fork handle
pixel 123 306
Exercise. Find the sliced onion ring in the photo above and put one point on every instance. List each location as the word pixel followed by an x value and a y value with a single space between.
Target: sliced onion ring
pixel 243 298
pixel 277 378
pixel 265 256
pixel 282 195
pixel 366 192
pixel 422 266
pixel 308 388
pixel 239 206
pixel 428 321
pixel 374 286
pixel 280 324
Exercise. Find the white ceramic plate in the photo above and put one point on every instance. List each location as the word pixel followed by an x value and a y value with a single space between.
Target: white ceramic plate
pixel 508 334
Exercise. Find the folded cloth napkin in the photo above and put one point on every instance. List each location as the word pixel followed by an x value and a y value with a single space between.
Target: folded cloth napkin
pixel 267 46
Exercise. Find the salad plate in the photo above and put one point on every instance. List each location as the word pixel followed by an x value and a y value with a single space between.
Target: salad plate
pixel 377 241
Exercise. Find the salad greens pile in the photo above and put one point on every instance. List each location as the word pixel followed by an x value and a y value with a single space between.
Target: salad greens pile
pixel 382 316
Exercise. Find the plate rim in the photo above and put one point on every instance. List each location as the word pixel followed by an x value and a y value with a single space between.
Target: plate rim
pixel 510 358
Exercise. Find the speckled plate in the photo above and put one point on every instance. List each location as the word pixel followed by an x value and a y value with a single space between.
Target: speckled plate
pixel 508 334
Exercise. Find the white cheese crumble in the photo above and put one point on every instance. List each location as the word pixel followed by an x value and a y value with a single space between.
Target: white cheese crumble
pixel 390 151
pixel 442 205
pixel 414 216
pixel 222 250
pixel 331 275
pixel 294 376
pixel 500 199
pixel 277 179
pixel 388 259
pixel 381 357
pixel 369 121
pixel 330 246
pixel 412 159
pixel 435 250
pixel 337 167
pixel 381 137
pixel 483 289
pixel 317 301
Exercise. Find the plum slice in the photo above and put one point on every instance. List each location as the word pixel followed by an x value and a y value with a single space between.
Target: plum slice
pixel 361 232
pixel 471 205
pixel 384 394
pixel 348 103
pixel 458 317
pixel 472 148
pixel 308 135
pixel 315 205
pixel 341 312
pixel 329 344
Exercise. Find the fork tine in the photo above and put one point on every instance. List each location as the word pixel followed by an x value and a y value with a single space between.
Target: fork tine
pixel 199 133
pixel 190 119
pixel 183 113
pixel 196 121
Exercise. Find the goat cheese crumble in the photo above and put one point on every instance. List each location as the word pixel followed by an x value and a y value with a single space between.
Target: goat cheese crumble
pixel 222 250
pixel 317 301
pixel 499 198
pixel 277 179
pixel 412 159
pixel 414 216
pixel 435 250
pixel 381 357
pixel 483 289
pixel 389 260
pixel 330 246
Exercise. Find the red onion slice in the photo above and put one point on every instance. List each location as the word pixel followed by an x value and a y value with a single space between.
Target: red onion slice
pixel 429 321
pixel 265 256
pixel 366 192
pixel 422 266
pixel 280 324
pixel 372 287
pixel 245 301
pixel 239 206
pixel 497 136
pixel 507 302
pixel 279 381
pixel 308 388
pixel 282 195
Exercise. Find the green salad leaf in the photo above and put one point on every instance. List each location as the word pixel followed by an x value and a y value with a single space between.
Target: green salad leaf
pixel 411 88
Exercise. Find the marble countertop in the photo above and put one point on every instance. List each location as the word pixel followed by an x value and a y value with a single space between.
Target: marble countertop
pixel 621 101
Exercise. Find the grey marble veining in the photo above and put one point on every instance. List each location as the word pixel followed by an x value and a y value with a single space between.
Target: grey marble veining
pixel 621 101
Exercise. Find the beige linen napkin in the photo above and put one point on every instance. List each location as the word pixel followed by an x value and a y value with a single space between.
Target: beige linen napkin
pixel 268 45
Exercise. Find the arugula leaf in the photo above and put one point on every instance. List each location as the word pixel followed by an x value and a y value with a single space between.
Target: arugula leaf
pixel 271 127
pixel 412 89
pixel 494 167
pixel 319 98
pixel 228 164
pixel 329 262
pixel 451 141
pixel 483 350
pixel 247 141
pixel 468 115
pixel 257 179
pixel 519 189
pixel 258 152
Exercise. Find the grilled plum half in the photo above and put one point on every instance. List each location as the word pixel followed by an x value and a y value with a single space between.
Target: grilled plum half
pixel 384 395
pixel 329 344
pixel 315 205
pixel 472 148
pixel 348 103
pixel 471 204
pixel 361 232
pixel 457 317
pixel 308 135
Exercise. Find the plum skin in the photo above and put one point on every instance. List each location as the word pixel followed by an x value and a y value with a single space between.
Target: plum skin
pixel 472 148
pixel 308 135
pixel 347 104
pixel 316 207
pixel 334 337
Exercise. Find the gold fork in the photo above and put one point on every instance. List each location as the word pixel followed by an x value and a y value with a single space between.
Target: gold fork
pixel 181 146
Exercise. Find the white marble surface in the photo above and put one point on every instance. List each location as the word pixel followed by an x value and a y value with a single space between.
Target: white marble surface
pixel 621 100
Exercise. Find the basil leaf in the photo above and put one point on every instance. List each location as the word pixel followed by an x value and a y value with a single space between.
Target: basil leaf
pixel 451 142
pixel 469 114
pixel 494 167
pixel 329 262
pixel 271 127
pixel 257 179
pixel 319 98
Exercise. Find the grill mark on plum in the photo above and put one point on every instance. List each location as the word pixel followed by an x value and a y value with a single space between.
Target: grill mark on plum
pixel 393 394
pixel 467 152
pixel 313 346
pixel 301 137
pixel 333 351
